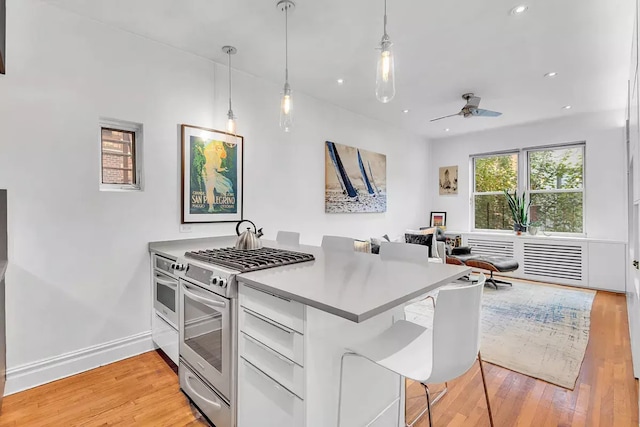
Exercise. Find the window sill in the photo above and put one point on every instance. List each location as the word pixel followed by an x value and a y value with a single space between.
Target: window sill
pixel 120 188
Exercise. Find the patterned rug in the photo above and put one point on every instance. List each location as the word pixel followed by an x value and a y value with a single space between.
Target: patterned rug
pixel 538 330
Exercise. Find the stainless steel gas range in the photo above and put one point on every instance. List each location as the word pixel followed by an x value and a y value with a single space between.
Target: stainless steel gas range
pixel 207 323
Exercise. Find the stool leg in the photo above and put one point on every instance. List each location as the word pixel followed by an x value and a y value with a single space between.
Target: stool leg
pixel 340 387
pixel 426 389
pixel 486 393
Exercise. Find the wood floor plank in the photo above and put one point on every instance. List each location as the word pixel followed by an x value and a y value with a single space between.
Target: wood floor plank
pixel 605 393
pixel 144 391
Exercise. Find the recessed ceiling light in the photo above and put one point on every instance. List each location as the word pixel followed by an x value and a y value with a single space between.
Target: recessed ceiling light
pixel 567 107
pixel 519 10
pixel 340 81
pixel 405 111
pixel 551 74
pixel 447 130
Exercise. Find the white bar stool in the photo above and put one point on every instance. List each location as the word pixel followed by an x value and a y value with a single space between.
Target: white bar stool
pixel 431 355
pixel 289 238
pixel 338 243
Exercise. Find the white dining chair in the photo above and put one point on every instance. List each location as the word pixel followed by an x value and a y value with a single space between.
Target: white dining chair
pixel 437 354
pixel 338 243
pixel 289 238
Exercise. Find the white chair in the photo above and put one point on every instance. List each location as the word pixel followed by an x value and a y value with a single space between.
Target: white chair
pixel 338 243
pixel 404 252
pixel 289 238
pixel 431 355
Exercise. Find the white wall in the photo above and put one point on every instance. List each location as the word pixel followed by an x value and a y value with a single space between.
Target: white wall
pixel 78 272
pixel 605 178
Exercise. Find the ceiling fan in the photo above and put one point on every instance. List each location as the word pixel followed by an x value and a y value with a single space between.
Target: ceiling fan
pixel 471 109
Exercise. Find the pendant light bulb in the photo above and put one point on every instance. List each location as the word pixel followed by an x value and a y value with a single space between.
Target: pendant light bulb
pixel 286 106
pixel 385 70
pixel 231 118
pixel 231 123
pixel 286 102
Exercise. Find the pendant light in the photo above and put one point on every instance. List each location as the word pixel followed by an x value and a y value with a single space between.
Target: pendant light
pixel 231 119
pixel 385 75
pixel 286 104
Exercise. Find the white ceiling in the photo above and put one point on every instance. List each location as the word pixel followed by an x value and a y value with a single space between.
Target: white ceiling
pixel 442 50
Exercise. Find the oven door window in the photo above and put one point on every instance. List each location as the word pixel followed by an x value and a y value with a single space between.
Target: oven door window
pixel 166 295
pixel 204 329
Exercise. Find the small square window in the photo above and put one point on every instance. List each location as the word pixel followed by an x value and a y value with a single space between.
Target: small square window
pixel 119 158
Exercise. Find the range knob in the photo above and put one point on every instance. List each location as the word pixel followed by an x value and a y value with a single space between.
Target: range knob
pixel 177 266
pixel 222 282
pixel 214 280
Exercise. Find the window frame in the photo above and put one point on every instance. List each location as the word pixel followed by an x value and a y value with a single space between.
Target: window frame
pixel 489 193
pixel 136 151
pixel 582 145
pixel 523 183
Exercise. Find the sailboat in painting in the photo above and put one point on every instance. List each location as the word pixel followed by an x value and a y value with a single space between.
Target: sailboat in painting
pixel 355 179
pixel 365 178
pixel 343 178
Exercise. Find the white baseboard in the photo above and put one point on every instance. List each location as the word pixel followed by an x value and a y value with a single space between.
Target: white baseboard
pixel 44 371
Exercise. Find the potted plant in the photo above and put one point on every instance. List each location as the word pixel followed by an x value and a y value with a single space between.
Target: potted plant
pixel 519 210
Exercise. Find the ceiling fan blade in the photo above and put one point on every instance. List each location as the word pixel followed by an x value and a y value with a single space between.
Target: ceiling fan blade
pixel 485 113
pixel 473 101
pixel 444 117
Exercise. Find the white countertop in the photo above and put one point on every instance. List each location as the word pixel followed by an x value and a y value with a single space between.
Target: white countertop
pixel 353 285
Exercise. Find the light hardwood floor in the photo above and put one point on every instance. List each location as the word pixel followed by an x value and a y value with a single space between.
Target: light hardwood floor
pixel 144 391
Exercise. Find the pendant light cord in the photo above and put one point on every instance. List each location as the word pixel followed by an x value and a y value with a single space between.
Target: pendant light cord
pixel 385 17
pixel 286 43
pixel 229 53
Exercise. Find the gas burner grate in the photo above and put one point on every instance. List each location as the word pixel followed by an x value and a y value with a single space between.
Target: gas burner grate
pixel 250 260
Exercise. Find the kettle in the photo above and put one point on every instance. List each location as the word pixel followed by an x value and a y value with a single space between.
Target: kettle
pixel 248 239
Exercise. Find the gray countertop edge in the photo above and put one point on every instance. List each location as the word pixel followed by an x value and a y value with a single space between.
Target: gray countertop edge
pixel 3 268
pixel 357 318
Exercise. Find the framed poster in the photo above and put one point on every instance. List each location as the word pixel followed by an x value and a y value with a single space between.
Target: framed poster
pixel 212 175
pixel 438 219
pixel 355 179
pixel 448 180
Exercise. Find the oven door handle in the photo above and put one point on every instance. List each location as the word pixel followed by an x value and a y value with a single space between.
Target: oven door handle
pixel 206 301
pixel 165 282
pixel 213 403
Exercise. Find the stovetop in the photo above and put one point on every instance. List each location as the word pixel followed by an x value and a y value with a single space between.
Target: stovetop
pixel 244 261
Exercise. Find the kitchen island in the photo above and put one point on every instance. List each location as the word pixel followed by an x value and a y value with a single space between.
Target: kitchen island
pixel 293 323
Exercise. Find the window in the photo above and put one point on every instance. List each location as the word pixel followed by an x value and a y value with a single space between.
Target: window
pixel 553 180
pixel 556 188
pixel 492 175
pixel 119 146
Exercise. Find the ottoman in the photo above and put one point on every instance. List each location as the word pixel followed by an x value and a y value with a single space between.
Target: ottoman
pixel 494 263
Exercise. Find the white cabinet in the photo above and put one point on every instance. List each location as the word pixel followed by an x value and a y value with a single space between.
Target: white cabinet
pixel 165 337
pixel 607 266
pixel 265 403
pixel 271 359
pixel 582 262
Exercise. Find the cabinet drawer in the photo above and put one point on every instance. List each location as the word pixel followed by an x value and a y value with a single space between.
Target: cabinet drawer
pixel 165 337
pixel 284 311
pixel 208 401
pixel 280 338
pixel 263 402
pixel 279 368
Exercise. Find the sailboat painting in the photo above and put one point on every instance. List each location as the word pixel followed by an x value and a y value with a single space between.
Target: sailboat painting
pixel 355 179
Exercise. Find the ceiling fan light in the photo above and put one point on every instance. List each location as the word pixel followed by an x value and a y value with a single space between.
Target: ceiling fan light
pixel 519 10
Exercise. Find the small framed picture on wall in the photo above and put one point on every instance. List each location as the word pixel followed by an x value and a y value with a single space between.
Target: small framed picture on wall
pixel 438 219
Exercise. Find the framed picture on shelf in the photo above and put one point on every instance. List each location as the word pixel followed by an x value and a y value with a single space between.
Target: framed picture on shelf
pixel 438 219
pixel 212 175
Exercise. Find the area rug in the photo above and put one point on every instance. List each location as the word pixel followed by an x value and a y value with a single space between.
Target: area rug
pixel 538 330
